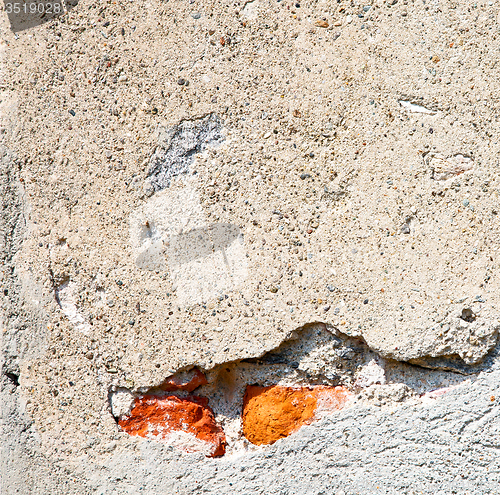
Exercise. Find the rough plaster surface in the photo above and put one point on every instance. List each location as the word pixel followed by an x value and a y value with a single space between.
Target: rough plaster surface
pixel 447 446
pixel 188 184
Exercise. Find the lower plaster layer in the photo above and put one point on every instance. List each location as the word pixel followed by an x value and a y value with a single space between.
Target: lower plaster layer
pixel 447 445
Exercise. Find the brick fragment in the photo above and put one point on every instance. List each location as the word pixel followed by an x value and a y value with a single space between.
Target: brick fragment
pixel 187 381
pixel 187 422
pixel 271 413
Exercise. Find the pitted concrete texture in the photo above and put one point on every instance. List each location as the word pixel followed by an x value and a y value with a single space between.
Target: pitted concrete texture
pixel 274 193
pixel 348 207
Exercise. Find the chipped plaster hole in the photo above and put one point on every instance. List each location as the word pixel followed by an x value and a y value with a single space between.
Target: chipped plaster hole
pixel 468 315
pixel 415 108
pixel 242 404
pixel 14 378
pixel 444 168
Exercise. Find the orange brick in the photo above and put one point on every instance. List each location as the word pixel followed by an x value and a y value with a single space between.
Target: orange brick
pixel 157 417
pixel 271 413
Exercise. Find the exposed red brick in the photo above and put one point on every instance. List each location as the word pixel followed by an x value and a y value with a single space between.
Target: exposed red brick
pixel 157 417
pixel 271 413
pixel 187 381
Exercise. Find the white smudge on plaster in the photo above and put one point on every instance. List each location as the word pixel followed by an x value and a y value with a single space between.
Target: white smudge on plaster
pixel 65 297
pixel 204 260
pixel 414 108
pixel 121 402
pixel 250 10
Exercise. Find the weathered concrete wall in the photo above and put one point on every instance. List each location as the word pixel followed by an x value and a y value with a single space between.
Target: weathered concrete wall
pixel 251 247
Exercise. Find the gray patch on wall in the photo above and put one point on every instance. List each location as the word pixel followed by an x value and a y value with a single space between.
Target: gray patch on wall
pixel 23 468
pixel 177 147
